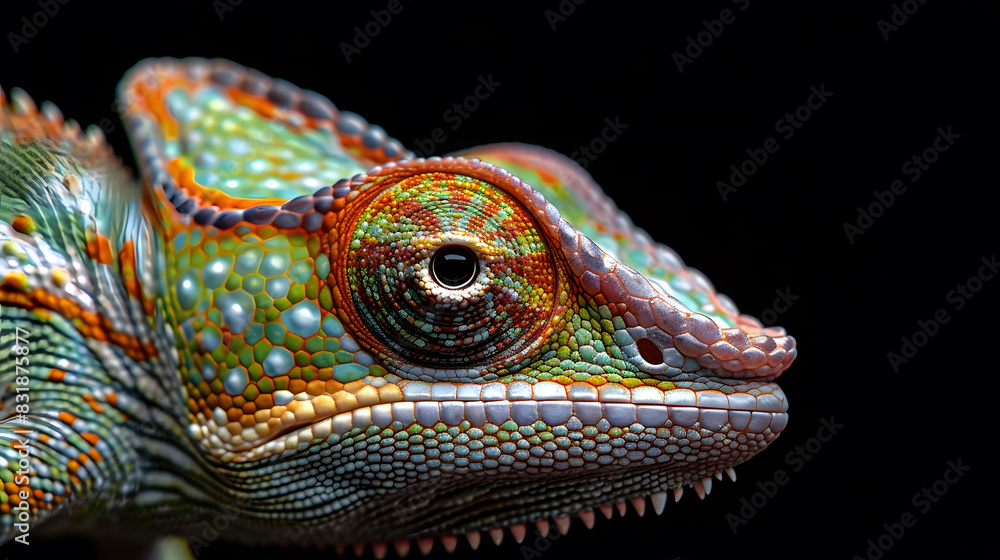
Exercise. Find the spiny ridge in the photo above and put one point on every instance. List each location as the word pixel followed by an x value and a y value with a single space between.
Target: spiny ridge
pixel 519 531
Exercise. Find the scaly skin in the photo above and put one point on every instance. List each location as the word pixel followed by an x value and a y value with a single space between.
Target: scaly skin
pixel 235 336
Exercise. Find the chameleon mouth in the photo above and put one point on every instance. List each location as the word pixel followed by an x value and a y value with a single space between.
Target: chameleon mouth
pixel 751 414
pixel 733 425
pixel 755 408
pixel 752 406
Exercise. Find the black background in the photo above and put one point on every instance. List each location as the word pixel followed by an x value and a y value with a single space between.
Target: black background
pixel 782 230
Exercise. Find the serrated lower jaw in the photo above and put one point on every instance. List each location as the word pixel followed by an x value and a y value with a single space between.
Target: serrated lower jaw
pixel 519 531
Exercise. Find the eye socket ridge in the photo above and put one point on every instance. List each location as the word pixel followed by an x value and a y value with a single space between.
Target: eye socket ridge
pixel 454 266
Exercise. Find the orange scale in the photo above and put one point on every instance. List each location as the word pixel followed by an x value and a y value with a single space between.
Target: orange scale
pixel 93 404
pixel 13 299
pixel 264 401
pixel 334 386
pixel 184 175
pixel 316 387
pixel 98 247
pixel 263 107
pixel 23 224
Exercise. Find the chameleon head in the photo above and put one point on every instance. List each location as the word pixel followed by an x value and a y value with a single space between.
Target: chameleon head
pixel 432 347
pixel 458 357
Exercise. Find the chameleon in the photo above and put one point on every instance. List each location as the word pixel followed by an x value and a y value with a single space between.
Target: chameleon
pixel 288 329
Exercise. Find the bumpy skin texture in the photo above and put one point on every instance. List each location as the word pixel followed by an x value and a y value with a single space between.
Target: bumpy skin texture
pixel 258 327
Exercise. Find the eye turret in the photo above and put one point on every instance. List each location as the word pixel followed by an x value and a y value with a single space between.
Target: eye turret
pixel 444 270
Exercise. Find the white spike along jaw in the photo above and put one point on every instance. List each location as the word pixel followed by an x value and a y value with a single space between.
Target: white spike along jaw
pixel 562 523
pixel 21 102
pixel 640 505
pixel 450 542
pixel 52 112
pixel 699 488
pixel 659 501
pixel 519 530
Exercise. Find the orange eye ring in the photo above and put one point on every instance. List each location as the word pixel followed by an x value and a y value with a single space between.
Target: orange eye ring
pixel 441 269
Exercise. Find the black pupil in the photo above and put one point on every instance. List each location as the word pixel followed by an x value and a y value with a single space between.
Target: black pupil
pixel 454 266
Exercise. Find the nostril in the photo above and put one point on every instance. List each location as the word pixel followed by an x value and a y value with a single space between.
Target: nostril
pixel 649 351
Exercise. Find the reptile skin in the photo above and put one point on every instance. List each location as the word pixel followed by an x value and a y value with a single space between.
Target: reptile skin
pixel 290 325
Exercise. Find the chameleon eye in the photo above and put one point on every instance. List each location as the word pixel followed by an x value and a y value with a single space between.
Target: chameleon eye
pixel 443 270
pixel 454 266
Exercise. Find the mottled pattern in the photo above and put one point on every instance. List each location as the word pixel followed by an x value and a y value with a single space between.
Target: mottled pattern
pixel 263 325
pixel 255 329
pixel 236 151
